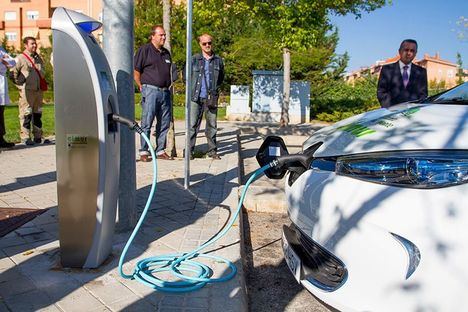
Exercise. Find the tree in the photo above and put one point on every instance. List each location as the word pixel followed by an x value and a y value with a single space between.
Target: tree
pixel 460 72
pixel 303 24
pixel 170 141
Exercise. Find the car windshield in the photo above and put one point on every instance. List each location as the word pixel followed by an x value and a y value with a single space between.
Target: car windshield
pixel 457 95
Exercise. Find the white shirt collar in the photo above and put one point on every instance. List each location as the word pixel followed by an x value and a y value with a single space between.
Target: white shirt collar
pixel 403 64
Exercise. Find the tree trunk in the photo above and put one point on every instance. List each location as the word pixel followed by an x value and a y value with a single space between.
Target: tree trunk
pixel 170 139
pixel 167 23
pixel 286 87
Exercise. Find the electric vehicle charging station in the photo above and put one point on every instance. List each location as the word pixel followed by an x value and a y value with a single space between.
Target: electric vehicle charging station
pixel 87 141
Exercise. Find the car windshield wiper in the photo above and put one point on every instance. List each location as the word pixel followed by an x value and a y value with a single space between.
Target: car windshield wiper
pixel 455 100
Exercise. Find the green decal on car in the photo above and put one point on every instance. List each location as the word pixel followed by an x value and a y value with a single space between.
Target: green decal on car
pixel 359 129
pixel 356 129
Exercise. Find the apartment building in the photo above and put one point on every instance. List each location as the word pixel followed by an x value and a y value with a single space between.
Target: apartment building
pixel 438 70
pixel 22 18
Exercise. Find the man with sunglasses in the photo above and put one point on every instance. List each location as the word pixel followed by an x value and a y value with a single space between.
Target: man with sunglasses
pixel 207 77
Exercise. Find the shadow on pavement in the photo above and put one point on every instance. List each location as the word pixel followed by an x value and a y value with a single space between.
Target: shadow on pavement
pixel 36 281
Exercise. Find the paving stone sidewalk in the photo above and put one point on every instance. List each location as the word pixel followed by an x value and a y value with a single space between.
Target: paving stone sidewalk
pixel 179 220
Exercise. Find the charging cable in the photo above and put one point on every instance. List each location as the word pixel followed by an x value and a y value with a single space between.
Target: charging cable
pixel 192 274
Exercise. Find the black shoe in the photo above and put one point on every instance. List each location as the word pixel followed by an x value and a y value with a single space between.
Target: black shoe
pixel 46 141
pixel 29 142
pixel 5 144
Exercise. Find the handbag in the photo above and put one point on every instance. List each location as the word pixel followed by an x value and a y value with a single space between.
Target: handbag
pixel 42 82
pixel 212 99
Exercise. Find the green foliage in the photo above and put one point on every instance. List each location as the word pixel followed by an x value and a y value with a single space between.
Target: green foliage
pixel 435 86
pixel 250 35
pixel 249 53
pixel 48 69
pixel 147 14
pixel 301 24
pixel 344 100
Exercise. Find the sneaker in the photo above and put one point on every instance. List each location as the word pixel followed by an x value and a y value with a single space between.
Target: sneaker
pixel 214 156
pixel 38 140
pixel 29 142
pixel 145 158
pixel 164 156
pixel 46 141
pixel 5 144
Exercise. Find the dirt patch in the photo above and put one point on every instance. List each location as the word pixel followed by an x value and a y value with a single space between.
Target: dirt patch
pixel 270 285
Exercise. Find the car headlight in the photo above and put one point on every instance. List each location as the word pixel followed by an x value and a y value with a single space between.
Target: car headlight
pixel 424 170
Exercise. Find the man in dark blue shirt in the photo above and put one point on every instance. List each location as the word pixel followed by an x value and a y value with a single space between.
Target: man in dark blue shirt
pixel 207 77
pixel 152 74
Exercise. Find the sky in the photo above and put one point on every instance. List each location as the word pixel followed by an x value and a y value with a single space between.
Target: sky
pixel 377 35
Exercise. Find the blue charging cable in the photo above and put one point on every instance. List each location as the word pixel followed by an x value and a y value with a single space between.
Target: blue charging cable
pixel 180 264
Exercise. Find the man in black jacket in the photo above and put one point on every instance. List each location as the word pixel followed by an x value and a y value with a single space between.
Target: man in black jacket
pixel 207 77
pixel 402 81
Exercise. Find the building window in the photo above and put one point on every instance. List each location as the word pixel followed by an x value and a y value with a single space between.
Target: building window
pixel 10 16
pixel 450 73
pixel 32 15
pixel 100 17
pixel 10 36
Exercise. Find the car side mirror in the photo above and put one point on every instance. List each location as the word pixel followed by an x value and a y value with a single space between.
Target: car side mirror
pixel 272 148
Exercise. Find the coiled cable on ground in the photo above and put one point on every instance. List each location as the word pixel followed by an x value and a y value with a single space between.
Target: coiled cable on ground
pixel 192 274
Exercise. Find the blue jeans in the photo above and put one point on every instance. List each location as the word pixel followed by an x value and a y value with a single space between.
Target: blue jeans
pixel 155 102
pixel 196 114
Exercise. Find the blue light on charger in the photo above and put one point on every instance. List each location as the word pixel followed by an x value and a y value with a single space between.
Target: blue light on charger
pixel 89 27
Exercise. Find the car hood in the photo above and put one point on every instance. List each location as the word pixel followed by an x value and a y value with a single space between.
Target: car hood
pixel 402 127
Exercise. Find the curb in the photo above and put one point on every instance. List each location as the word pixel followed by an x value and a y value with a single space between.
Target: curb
pixel 232 200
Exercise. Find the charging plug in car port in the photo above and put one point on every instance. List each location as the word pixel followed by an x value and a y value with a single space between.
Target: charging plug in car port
pixel 320 267
pixel 273 151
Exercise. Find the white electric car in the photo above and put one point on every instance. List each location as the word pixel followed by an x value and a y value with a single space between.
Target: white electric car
pixel 379 208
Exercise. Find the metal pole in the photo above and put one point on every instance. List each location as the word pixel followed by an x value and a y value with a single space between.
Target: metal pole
pixel 188 91
pixel 118 47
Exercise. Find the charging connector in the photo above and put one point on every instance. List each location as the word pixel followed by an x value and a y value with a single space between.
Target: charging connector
pixel 132 124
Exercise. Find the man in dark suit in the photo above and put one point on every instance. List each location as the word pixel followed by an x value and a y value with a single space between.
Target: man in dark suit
pixel 402 81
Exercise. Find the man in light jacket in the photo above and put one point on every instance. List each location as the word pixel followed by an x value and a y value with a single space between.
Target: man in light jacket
pixel 30 68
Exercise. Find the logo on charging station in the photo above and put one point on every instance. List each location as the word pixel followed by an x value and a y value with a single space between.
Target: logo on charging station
pixel 74 140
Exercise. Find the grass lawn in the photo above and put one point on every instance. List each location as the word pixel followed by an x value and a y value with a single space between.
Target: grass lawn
pixel 48 119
